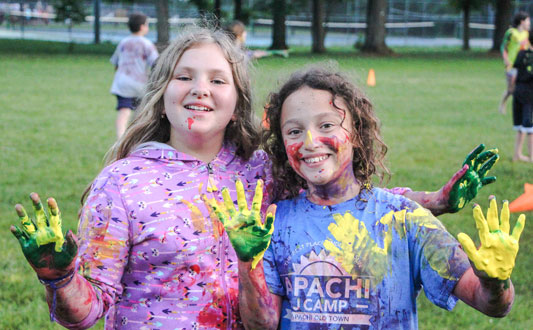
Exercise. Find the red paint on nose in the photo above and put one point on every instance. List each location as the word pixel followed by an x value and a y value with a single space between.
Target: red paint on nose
pixel 189 122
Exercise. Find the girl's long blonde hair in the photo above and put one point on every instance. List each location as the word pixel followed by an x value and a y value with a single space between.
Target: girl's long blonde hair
pixel 151 125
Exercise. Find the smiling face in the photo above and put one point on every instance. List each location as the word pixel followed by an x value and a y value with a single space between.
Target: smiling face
pixel 317 138
pixel 200 99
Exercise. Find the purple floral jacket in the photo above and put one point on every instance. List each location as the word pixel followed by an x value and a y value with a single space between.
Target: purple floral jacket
pixel 155 256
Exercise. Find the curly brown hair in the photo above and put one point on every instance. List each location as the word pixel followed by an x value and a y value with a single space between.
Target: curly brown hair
pixel 368 146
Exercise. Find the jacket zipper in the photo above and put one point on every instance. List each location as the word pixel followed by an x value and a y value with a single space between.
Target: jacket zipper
pixel 222 257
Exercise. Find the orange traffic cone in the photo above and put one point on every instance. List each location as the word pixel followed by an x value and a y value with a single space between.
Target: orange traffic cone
pixel 525 201
pixel 371 80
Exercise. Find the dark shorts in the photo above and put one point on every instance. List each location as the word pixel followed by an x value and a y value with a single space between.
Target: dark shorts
pixel 126 102
pixel 522 116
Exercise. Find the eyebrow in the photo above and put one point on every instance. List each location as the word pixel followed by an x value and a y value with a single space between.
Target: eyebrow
pixel 211 71
pixel 318 116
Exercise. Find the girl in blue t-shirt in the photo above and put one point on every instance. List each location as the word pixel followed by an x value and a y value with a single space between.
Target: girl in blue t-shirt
pixel 342 253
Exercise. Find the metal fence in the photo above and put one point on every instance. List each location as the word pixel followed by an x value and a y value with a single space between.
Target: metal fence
pixel 409 22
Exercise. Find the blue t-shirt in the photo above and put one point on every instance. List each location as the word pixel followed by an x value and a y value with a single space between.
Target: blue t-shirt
pixel 400 247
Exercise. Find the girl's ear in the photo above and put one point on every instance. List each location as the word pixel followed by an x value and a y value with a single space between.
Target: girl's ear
pixel 234 117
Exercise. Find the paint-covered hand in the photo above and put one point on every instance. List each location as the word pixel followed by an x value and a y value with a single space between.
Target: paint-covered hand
pixel 496 256
pixel 466 183
pixel 43 244
pixel 358 252
pixel 248 235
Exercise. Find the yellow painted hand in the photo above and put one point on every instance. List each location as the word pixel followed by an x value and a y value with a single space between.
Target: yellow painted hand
pixel 248 235
pixel 497 253
pixel 357 247
pixel 43 243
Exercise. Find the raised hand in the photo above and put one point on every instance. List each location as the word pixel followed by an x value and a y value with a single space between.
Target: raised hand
pixel 43 243
pixel 248 235
pixel 466 183
pixel 358 252
pixel 496 256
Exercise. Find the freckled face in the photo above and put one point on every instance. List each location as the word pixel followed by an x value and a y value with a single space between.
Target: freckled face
pixel 201 97
pixel 317 136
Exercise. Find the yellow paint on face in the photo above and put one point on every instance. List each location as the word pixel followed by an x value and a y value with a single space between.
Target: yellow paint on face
pixel 308 139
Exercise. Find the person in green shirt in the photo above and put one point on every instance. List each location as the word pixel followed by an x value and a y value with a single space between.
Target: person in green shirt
pixel 514 40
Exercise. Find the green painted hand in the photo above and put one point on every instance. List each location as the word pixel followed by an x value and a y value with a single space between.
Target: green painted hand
pixel 358 252
pixel 248 235
pixel 497 253
pixel 43 244
pixel 466 183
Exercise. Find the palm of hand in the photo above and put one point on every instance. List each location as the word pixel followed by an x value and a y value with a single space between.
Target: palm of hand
pixel 468 185
pixel 497 253
pixel 43 244
pixel 248 235
pixel 464 190
pixel 356 247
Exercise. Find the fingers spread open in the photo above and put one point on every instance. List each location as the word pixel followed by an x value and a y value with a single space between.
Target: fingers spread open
pixel 468 246
pixel 492 215
pixel 473 154
pixel 504 218
pixel 228 202
pixel 40 216
pixel 481 225
pixel 488 180
pixel 19 234
pixel 519 227
pixel 241 197
pixel 27 225
pixel 258 199
pixel 488 165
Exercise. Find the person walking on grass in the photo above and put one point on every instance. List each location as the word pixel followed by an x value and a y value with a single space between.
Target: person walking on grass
pixel 514 40
pixel 133 58
pixel 523 103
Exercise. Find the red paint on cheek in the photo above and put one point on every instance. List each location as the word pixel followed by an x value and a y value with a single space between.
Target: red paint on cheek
pixel 190 121
pixel 332 142
pixel 294 155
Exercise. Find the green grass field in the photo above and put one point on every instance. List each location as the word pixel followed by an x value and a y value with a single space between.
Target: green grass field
pixel 57 121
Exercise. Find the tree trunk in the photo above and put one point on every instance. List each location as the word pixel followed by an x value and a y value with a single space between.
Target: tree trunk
pixel 317 28
pixel 237 10
pixel 279 32
pixel 96 21
pixel 466 27
pixel 376 17
pixel 162 23
pixel 502 20
pixel 217 11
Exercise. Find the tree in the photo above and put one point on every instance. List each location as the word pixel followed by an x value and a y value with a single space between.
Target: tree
pixel 217 10
pixel 71 12
pixel 279 12
pixel 163 27
pixel 237 10
pixel 376 17
pixel 317 29
pixel 96 22
pixel 466 6
pixel 502 18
